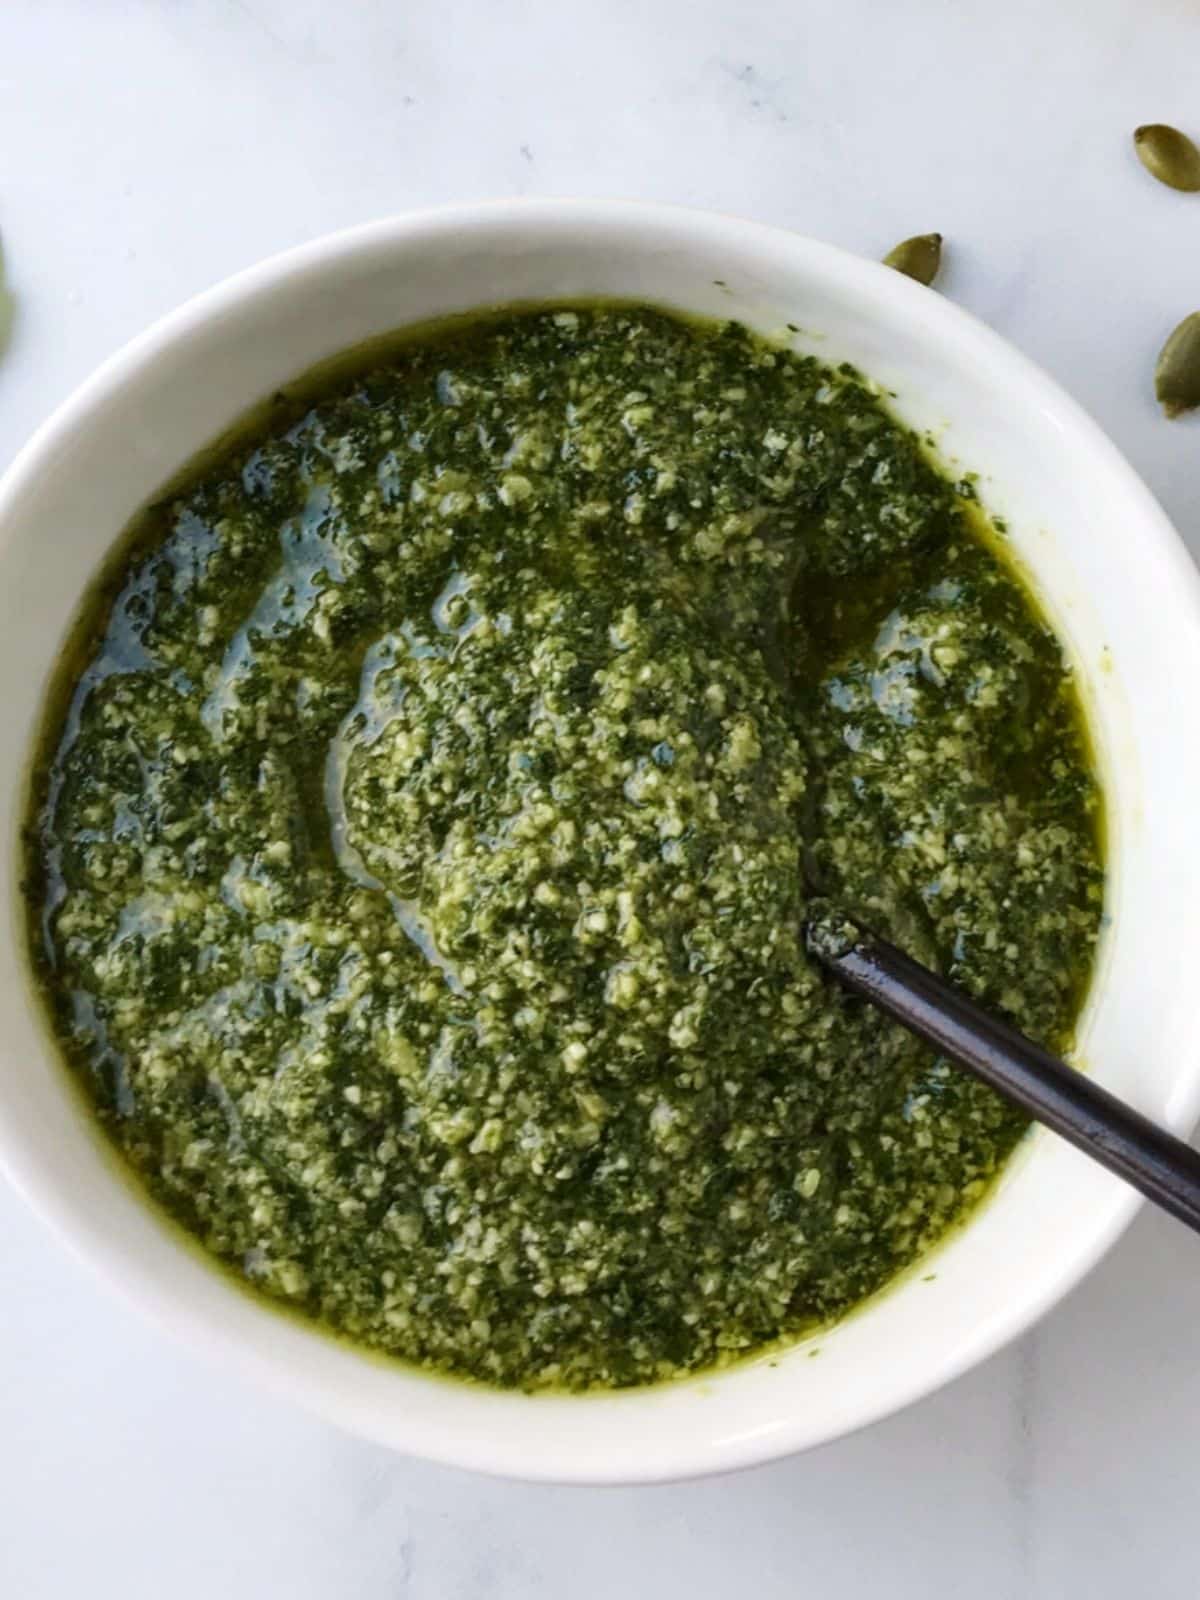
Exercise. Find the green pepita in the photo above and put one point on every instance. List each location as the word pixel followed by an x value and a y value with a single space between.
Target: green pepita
pixel 918 257
pixel 1168 155
pixel 1177 375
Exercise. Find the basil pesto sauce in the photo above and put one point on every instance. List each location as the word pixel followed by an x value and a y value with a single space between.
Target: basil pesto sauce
pixel 418 860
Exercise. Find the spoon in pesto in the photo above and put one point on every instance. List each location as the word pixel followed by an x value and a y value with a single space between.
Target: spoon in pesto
pixel 1161 1166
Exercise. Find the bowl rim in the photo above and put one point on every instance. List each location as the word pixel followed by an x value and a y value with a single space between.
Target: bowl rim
pixel 968 339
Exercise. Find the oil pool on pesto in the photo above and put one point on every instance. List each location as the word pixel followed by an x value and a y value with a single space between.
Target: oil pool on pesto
pixel 420 845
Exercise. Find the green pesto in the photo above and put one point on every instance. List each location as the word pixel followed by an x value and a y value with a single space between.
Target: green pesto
pixel 418 860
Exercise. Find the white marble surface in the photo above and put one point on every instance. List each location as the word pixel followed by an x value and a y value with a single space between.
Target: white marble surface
pixel 149 147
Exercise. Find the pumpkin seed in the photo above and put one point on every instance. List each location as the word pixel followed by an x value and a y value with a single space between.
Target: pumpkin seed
pixel 1168 155
pixel 1177 375
pixel 918 257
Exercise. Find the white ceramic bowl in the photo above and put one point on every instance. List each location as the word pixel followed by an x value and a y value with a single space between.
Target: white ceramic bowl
pixel 1111 571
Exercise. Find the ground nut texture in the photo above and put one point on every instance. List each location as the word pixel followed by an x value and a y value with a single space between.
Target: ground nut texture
pixel 419 857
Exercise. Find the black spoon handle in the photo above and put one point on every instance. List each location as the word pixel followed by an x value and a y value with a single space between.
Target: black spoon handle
pixel 1165 1169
